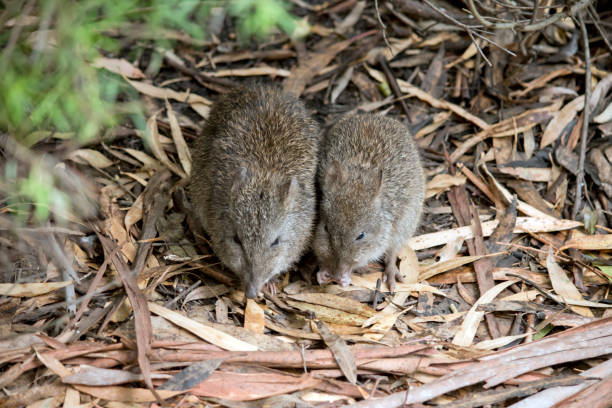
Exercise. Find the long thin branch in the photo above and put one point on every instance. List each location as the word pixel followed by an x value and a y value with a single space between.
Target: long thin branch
pixel 532 26
pixel 586 113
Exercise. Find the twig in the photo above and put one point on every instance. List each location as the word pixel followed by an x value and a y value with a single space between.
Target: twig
pixel 382 25
pixel 604 35
pixel 156 197
pixel 470 30
pixel 392 82
pixel 15 33
pixel 531 26
pixel 586 113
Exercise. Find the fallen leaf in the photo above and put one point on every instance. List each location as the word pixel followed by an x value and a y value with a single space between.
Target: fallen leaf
pixel 248 386
pixel 443 266
pixel 442 182
pixel 182 149
pixel 211 335
pixel 523 225
pixel 101 376
pixel 118 66
pixel 328 314
pixel 342 354
pixel 592 242
pixel 191 376
pixel 196 102
pixel 529 173
pixel 30 289
pixel 563 286
pixel 254 317
pixel 246 72
pixel 337 302
pixel 125 394
pixel 89 156
pixel 560 120
pixel 152 139
pixel 409 265
pixel 465 335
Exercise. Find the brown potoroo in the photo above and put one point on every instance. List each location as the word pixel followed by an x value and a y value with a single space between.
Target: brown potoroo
pixel 252 182
pixel 372 187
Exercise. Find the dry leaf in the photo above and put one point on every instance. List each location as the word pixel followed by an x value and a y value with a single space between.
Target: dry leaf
pixel 251 384
pixel 196 102
pixel 442 182
pixel 450 250
pixel 336 302
pixel 342 354
pixel 134 213
pixel 529 173
pixel 148 161
pixel 563 286
pixel 443 266
pixel 182 149
pixel 247 72
pixel 30 289
pixel 191 376
pixel 523 224
pixel 605 116
pixel 118 66
pixel 592 242
pixel 89 156
pixel 561 120
pixel 465 335
pixel 368 281
pixel 254 317
pixel 152 138
pixel 213 336
pixel 328 314
pixel 409 265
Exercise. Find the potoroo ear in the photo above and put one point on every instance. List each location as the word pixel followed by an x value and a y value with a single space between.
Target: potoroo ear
pixel 289 192
pixel 241 177
pixel 335 174
pixel 377 180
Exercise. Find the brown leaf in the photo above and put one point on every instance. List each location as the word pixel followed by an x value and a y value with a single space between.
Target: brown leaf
pixel 119 66
pixel 563 286
pixel 561 120
pixel 101 376
pixel 191 376
pixel 182 149
pixel 142 318
pixel 207 333
pixel 336 302
pixel 343 355
pixel 30 289
pixel 152 138
pixel 254 317
pixel 92 157
pixel 591 242
pixel 251 384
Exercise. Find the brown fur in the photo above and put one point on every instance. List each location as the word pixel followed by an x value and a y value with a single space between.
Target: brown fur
pixel 253 180
pixel 372 182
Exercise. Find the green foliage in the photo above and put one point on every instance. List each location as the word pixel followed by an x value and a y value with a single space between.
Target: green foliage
pixel 607 270
pixel 37 191
pixel 543 332
pixel 48 82
pixel 258 17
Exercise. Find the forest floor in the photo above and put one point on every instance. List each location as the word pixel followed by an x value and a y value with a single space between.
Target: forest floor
pixel 506 299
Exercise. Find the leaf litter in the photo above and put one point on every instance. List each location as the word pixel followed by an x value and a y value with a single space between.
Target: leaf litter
pixel 506 298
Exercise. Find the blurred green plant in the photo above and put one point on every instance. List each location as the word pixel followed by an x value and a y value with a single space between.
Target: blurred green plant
pixel 259 17
pixel 48 82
